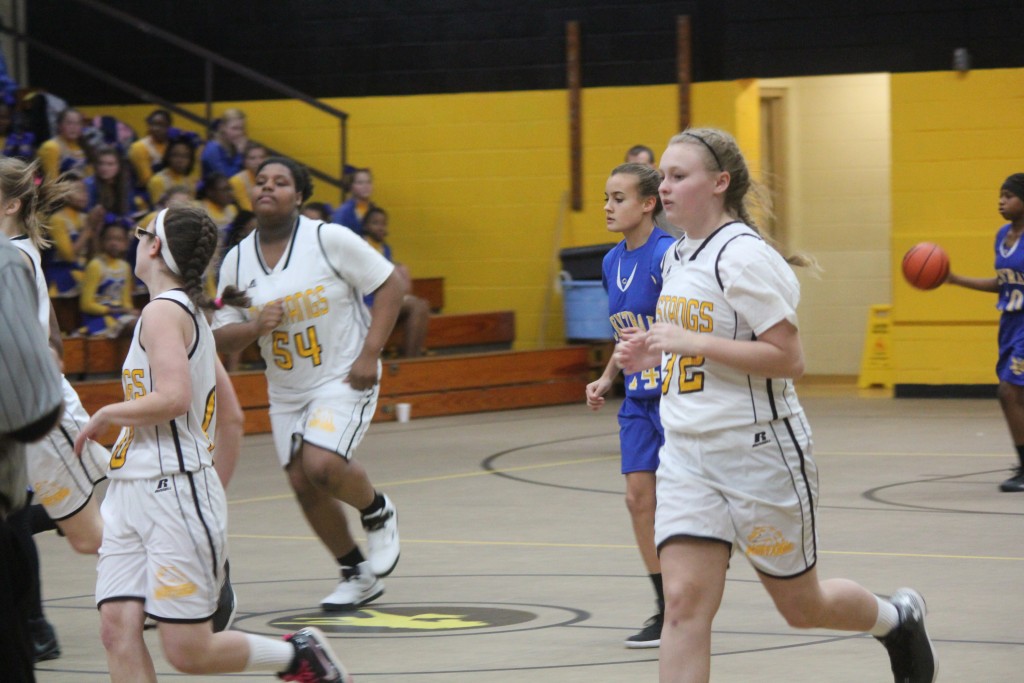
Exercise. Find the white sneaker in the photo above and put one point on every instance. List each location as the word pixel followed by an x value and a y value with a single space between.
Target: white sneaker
pixel 358 586
pixel 382 545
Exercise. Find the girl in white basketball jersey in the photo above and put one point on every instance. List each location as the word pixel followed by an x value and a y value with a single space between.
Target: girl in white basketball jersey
pixel 736 469
pixel 62 483
pixel 164 514
pixel 322 348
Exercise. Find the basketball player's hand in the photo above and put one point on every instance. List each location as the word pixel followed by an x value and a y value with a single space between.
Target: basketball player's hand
pixel 270 317
pixel 93 430
pixel 669 338
pixel 596 391
pixel 631 353
pixel 363 374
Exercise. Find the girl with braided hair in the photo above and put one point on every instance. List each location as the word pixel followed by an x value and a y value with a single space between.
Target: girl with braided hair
pixel 164 493
pixel 736 469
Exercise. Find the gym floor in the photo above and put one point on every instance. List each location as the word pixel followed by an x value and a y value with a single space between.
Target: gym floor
pixel 518 560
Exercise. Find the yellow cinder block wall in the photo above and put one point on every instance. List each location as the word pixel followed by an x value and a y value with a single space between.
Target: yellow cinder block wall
pixel 955 139
pixel 477 187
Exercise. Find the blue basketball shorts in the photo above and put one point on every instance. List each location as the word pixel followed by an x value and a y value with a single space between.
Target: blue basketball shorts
pixel 640 434
pixel 1010 366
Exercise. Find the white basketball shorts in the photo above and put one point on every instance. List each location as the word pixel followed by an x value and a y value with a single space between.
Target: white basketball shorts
pixel 754 488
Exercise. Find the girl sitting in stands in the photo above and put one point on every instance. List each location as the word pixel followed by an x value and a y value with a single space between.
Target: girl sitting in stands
pixel 106 302
pixel 179 164
pixel 147 153
pixel 243 181
pixel 64 152
pixel 111 195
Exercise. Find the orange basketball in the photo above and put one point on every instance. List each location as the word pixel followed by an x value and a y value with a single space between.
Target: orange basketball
pixel 926 265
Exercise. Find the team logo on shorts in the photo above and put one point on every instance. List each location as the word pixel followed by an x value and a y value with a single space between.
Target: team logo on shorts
pixel 322 419
pixel 1017 365
pixel 171 583
pixel 760 439
pixel 49 493
pixel 767 541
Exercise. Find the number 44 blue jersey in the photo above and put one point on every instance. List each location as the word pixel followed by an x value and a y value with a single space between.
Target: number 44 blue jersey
pixel 633 282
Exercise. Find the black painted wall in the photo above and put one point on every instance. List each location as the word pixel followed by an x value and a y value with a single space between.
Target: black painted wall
pixel 343 48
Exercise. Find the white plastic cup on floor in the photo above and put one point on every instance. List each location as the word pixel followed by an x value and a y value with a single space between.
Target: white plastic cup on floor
pixel 403 411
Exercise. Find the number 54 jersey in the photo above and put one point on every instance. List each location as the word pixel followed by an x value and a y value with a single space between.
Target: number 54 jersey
pixel 320 281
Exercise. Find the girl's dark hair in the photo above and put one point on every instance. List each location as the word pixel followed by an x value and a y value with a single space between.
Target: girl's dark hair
pixel 192 238
pixel 182 141
pixel 208 183
pixel 236 227
pixel 166 115
pixel 372 210
pixel 300 175
pixel 647 182
pixel 115 196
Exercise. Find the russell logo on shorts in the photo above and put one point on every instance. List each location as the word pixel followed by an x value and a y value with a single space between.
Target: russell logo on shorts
pixel 760 439
pixel 162 485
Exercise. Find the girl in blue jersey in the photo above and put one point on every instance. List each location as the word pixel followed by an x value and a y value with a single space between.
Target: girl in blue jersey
pixel 631 274
pixel 1009 284
pixel 736 470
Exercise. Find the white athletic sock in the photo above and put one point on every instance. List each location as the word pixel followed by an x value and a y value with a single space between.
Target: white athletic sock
pixel 268 654
pixel 888 618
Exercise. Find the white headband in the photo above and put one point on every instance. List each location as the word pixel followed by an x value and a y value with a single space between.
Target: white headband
pixel 165 249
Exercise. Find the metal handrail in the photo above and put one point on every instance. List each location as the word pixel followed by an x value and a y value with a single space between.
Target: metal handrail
pixel 209 58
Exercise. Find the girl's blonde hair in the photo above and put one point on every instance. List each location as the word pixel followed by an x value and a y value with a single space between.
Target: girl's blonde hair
pixel 38 202
pixel 744 194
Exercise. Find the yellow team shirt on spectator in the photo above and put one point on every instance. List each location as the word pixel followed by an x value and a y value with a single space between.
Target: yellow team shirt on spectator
pixel 165 180
pixel 242 183
pixel 55 151
pixel 145 153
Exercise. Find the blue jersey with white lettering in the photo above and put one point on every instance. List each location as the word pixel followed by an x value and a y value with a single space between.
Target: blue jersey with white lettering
pixel 633 282
pixel 1009 272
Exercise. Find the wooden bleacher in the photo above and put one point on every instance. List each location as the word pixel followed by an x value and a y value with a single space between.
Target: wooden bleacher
pixel 472 370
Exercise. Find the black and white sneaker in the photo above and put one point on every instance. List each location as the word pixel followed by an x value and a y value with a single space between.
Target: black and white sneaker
pixel 650 634
pixel 315 661
pixel 1014 484
pixel 382 547
pixel 911 653
pixel 358 586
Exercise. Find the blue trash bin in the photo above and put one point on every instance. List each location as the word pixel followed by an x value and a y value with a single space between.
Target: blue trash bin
pixel 585 306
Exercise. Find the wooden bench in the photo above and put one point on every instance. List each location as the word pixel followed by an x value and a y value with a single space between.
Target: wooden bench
pixel 431 289
pixel 94 355
pixel 464 332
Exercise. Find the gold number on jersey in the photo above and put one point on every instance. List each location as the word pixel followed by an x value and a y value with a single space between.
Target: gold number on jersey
pixel 690 378
pixel 132 381
pixel 119 453
pixel 282 356
pixel 306 345
pixel 211 407
pixel 650 377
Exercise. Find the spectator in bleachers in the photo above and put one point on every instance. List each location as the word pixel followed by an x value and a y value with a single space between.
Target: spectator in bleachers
pixel 179 163
pixel 415 312
pixel 64 151
pixel 223 151
pixel 147 153
pixel 15 139
pixel 351 212
pixel 217 197
pixel 640 154
pixel 71 230
pixel 317 211
pixel 111 193
pixel 243 181
pixel 106 301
